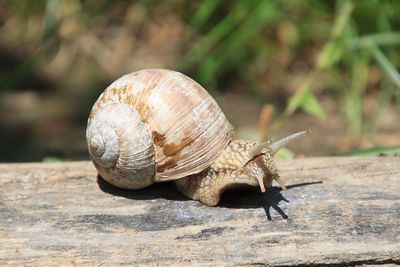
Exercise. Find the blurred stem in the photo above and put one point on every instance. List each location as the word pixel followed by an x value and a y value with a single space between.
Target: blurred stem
pixel 367 41
pixel 204 12
pixel 355 97
pixel 264 121
pixel 387 66
pixel 292 106
pixel 385 95
pixel 342 19
pixel 216 34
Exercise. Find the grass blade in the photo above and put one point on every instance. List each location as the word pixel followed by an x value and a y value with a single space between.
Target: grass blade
pixel 387 66
pixel 204 12
pixel 224 27
pixel 379 39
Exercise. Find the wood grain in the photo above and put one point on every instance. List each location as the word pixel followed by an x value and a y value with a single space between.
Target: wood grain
pixel 336 211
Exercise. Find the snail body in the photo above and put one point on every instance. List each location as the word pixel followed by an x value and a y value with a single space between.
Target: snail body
pixel 159 125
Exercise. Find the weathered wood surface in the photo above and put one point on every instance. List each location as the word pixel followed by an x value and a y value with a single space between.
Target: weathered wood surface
pixel 336 211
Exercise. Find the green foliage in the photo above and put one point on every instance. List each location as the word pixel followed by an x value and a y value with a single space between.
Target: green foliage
pixel 284 153
pixel 330 54
pixel 240 42
pixel 52 159
pixel 349 51
pixel 306 100
pixel 376 151
pixel 288 52
pixel 227 45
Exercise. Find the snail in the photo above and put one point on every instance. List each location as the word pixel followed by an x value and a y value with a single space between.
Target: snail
pixel 157 125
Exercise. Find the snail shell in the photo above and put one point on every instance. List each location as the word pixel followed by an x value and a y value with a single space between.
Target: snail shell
pixel 155 125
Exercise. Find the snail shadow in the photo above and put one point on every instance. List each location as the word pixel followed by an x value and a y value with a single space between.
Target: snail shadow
pixel 253 198
pixel 161 190
pixel 248 198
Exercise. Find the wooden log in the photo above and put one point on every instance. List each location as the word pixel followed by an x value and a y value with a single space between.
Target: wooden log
pixel 336 211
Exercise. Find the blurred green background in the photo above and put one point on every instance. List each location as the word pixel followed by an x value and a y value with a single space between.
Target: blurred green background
pixel 275 67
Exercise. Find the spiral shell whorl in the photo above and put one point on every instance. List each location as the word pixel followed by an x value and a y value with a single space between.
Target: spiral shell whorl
pixel 103 144
pixel 120 145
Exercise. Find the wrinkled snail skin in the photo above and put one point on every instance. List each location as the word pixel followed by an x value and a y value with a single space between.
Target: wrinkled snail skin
pixel 158 125
pixel 224 173
pixel 237 166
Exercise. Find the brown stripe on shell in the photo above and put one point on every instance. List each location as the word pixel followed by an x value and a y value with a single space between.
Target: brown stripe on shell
pixel 169 164
pixel 170 150
pixel 158 139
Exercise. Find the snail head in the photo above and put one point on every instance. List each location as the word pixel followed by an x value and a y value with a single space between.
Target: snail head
pixel 261 166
